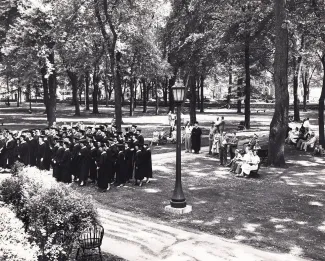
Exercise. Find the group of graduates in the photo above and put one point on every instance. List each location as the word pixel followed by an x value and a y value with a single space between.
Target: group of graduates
pixel 79 153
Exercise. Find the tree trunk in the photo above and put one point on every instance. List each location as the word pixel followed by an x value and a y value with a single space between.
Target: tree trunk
pixel 123 92
pixel 304 80
pixel 239 94
pixel 165 92
pixel 52 92
pixel 74 80
pixel 202 94
pixel 198 93
pixel 96 88
pixel 229 86
pixel 87 78
pixel 116 71
pixel 157 98
pixel 192 84
pixel 279 123
pixel 171 83
pixel 110 90
pixel 247 83
pixel 106 91
pixel 296 68
pixel 45 90
pixel 131 96
pixel 144 96
pixel 321 108
pixel 135 93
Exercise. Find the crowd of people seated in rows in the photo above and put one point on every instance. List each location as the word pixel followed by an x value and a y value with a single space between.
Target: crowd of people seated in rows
pixel 303 138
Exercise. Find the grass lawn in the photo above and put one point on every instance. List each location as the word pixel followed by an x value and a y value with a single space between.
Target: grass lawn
pixel 283 210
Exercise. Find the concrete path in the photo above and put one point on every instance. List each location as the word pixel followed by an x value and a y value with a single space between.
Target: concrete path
pixel 137 239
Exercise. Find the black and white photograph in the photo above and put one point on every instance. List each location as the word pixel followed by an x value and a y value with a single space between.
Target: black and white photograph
pixel 162 130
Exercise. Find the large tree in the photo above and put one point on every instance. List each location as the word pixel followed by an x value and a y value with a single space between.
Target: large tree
pixel 279 123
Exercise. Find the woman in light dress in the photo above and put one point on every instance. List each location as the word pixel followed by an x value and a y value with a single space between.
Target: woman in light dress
pixel 250 162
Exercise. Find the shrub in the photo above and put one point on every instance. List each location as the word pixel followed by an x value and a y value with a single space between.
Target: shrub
pixel 53 213
pixel 16 168
pixel 14 243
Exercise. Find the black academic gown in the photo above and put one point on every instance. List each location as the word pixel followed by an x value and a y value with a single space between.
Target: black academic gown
pixel 103 171
pixel 84 164
pixel 140 139
pixel 196 139
pixel 121 169
pixel 111 164
pixel 139 165
pixel 44 153
pixel 24 153
pixel 148 163
pixel 65 167
pixel 129 155
pixel 9 155
pixel 93 166
pixel 75 167
pixel 2 151
pixel 57 169
pixel 33 148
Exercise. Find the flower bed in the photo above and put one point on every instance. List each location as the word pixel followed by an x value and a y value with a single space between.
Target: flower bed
pixel 52 213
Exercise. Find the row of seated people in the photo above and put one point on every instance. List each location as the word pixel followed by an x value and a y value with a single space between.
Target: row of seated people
pixel 244 165
pixel 303 138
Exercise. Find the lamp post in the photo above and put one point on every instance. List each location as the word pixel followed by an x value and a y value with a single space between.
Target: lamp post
pixel 178 199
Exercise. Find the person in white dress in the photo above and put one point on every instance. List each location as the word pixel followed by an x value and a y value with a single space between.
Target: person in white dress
pixel 188 132
pixel 250 162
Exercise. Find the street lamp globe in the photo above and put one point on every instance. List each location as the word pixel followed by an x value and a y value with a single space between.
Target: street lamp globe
pixel 178 92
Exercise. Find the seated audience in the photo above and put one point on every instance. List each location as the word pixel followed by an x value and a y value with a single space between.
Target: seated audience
pixel 232 145
pixel 250 162
pixel 309 143
pixel 235 161
pixel 319 151
pixel 155 137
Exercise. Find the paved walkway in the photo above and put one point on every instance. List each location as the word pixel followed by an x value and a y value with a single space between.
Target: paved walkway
pixel 137 239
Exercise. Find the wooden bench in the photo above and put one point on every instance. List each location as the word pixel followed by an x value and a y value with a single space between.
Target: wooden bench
pixel 254 173
pixel 263 154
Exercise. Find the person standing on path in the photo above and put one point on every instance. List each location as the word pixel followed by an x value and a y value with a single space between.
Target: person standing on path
pixel 196 138
pixel 222 125
pixel 188 132
pixel 223 149
pixel 212 132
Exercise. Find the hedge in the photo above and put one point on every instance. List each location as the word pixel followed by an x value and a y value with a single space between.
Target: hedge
pixel 14 242
pixel 53 214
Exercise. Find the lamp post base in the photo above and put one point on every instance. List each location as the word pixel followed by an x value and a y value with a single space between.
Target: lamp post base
pixel 178 211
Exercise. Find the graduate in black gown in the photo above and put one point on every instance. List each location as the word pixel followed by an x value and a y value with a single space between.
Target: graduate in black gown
pixel 75 167
pixel 196 138
pixel 103 167
pixel 43 155
pixel 65 164
pixel 147 162
pixel 139 165
pixel 2 149
pixel 57 170
pixel 129 156
pixel 54 155
pixel 93 166
pixel 9 153
pixel 23 151
pixel 121 167
pixel 84 163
